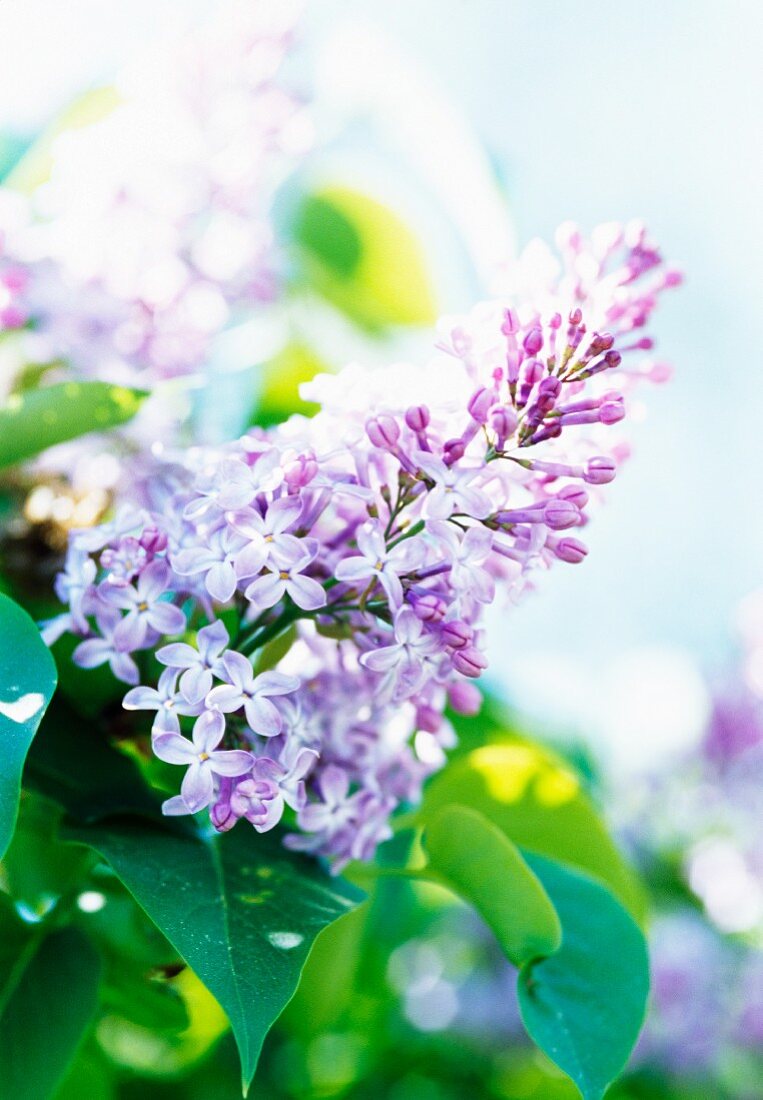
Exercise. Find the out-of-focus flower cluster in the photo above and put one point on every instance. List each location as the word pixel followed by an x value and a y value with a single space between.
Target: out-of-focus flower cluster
pixel 701 817
pixel 131 277
pixel 376 533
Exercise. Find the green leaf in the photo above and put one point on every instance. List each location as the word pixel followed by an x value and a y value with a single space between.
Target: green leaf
pixel 584 1006
pixel 363 258
pixel 537 801
pixel 14 938
pixel 280 379
pixel 27 683
pixel 479 863
pixel 33 421
pixel 47 1014
pixel 72 763
pixel 240 909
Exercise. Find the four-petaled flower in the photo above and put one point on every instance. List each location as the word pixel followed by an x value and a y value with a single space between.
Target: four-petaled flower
pixel 202 758
pixel 144 606
pixel 375 560
pixel 253 693
pixel 453 490
pixel 97 651
pixel 404 662
pixel 287 580
pixel 219 561
pixel 466 554
pixel 267 536
pixel 165 699
pixel 199 664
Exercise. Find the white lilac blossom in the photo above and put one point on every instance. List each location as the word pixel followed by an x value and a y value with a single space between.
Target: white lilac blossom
pixel 366 542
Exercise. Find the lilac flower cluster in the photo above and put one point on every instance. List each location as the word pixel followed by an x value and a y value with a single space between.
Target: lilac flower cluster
pixel 133 276
pixel 364 544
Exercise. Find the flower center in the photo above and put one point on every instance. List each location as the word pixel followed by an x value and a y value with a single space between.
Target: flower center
pixel 283 575
pixel 142 606
pixel 203 756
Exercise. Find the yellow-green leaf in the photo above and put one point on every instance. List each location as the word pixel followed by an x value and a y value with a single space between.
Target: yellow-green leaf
pixel 480 864
pixel 364 259
pixel 538 802
pixel 33 421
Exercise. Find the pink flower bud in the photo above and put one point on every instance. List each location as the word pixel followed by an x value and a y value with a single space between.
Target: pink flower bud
pixel 612 411
pixel 599 471
pixel 417 418
pixel 559 514
pixel 153 540
pixel 510 324
pixel 430 608
pixel 480 404
pixel 575 494
pixel 465 698
pixel 300 472
pixel 571 550
pixel 453 450
pixel 383 431
pixel 533 342
pixel 469 661
pixel 503 421
pixel 456 634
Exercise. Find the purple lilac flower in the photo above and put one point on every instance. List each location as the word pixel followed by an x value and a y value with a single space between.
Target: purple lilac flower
pixel 252 693
pixel 198 664
pixel 145 607
pixel 365 544
pixel 375 560
pixel 287 580
pixel 202 758
pixel 165 699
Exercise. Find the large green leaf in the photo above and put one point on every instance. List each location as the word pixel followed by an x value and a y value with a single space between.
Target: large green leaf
pixel 41 418
pixel 47 1014
pixel 27 683
pixel 584 1006
pixel 72 763
pixel 240 909
pixel 362 257
pixel 479 863
pixel 537 801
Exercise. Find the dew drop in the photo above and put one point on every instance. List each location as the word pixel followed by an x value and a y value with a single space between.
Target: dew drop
pixel 285 940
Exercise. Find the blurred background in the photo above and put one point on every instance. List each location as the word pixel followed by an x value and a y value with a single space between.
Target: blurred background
pixel 481 125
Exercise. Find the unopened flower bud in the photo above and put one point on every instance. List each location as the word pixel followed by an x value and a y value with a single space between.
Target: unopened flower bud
pixel 453 450
pixel 575 494
pixel 559 514
pixel 465 698
pixel 469 661
pixel 300 472
pixel 599 471
pixel 153 540
pixel 503 421
pixel 510 323
pixel 417 418
pixel 383 431
pixel 456 634
pixel 571 550
pixel 611 412
pixel 480 404
pixel 533 342
pixel 430 608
